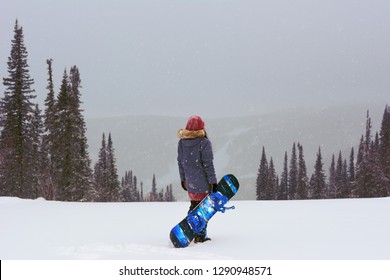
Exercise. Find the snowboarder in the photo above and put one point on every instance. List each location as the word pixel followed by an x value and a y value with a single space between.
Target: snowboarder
pixel 196 167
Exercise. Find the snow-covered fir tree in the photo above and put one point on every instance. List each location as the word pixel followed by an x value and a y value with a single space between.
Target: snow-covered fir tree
pixel 331 186
pixel 61 150
pixel 169 197
pixel 384 142
pixel 341 178
pixel 370 176
pixel 48 182
pixel 351 167
pixel 129 188
pixel 303 180
pixel 345 177
pixel 272 186
pixel 160 197
pixel 293 174
pixel 153 195
pixel 317 180
pixel 262 178
pixel 105 178
pixel 114 185
pixel 81 179
pixel 283 187
pixel 100 176
pixel 38 155
pixel 142 198
pixel 125 187
pixel 156 194
pixel 18 132
pixel 69 156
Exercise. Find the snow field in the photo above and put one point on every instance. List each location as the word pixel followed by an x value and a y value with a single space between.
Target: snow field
pixel 356 229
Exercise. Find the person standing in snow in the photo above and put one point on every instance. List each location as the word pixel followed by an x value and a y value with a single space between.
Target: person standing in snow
pixel 196 167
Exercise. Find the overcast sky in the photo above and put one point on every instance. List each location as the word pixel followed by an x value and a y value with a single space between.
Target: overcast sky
pixel 207 57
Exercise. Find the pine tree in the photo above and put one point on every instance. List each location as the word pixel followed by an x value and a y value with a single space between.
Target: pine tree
pixel 112 172
pixel 48 168
pixel 153 194
pixel 345 177
pixel 368 134
pixel 293 175
pixel 128 189
pixel 168 196
pixel 50 102
pixel 100 177
pixel 142 192
pixel 385 146
pixel 303 180
pixel 339 184
pixel 67 141
pixel 359 160
pixel 160 196
pixel 62 144
pixel 17 112
pixel 317 180
pixel 272 186
pixel 360 153
pixel 351 169
pixel 50 111
pixel 38 156
pixel 137 192
pixel 262 177
pixel 125 189
pixel 369 172
pixel 342 184
pixel 284 180
pixel 106 176
pixel 81 161
pixel 331 188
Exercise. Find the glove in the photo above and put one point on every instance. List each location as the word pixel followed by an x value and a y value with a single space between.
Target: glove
pixel 213 187
pixel 183 185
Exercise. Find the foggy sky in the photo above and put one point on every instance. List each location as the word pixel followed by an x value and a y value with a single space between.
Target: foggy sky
pixel 207 57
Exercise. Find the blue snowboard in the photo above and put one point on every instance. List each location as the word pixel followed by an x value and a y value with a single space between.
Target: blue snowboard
pixel 196 221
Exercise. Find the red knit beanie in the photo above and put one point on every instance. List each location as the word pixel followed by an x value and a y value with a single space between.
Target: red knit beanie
pixel 195 123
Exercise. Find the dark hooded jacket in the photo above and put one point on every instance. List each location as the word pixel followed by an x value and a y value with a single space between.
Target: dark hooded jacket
pixel 195 160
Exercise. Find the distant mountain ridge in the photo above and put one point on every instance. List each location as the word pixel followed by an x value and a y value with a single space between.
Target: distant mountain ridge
pixel 148 144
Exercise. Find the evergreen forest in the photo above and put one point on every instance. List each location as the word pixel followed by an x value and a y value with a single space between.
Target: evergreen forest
pixel 360 175
pixel 45 153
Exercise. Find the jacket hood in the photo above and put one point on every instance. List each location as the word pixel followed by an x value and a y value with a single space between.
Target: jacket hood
pixel 190 134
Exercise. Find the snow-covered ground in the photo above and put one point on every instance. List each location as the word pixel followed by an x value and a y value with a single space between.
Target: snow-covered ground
pixel 273 230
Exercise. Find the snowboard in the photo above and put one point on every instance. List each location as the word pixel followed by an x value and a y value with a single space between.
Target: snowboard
pixel 184 232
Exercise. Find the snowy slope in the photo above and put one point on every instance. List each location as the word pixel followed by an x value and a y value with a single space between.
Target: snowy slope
pixel 324 229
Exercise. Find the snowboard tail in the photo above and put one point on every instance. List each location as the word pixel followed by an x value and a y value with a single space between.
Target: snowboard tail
pixel 196 221
pixel 182 235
